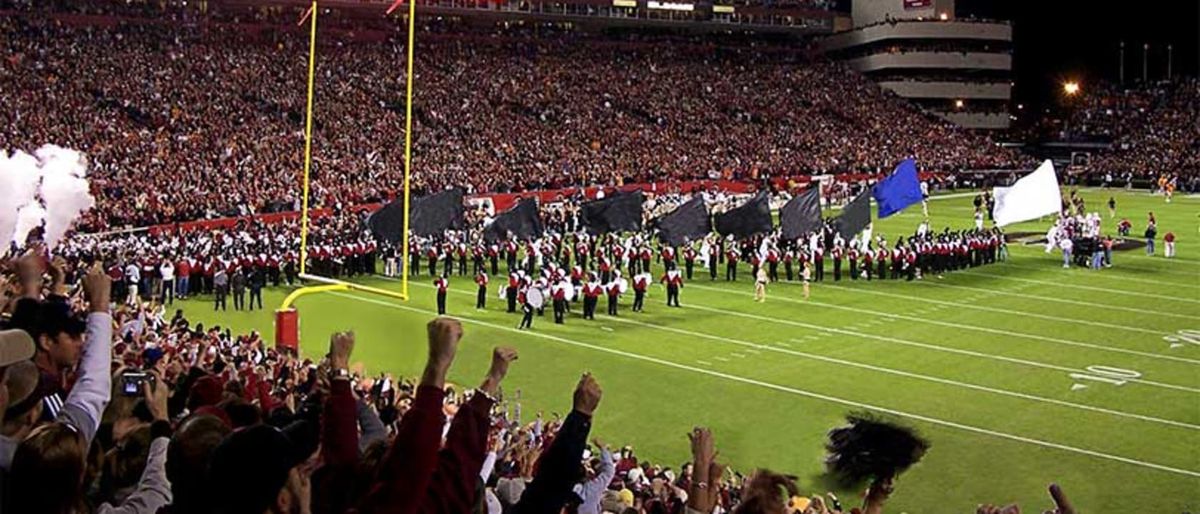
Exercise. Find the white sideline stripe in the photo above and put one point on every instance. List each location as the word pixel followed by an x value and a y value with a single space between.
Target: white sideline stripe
pixel 1105 276
pixel 809 394
pixel 752 346
pixel 946 349
pixel 986 330
pixel 997 310
pixel 1061 300
pixel 1077 286
pixel 826 331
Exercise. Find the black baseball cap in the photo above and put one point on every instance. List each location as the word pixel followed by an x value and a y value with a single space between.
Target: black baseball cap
pixel 252 464
pixel 50 318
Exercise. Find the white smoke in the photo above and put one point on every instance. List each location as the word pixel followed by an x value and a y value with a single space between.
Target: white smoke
pixel 47 189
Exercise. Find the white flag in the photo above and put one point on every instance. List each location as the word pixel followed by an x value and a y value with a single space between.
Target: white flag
pixel 1033 196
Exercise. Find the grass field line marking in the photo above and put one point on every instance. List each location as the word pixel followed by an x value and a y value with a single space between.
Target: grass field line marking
pixel 835 360
pixel 998 310
pixel 908 374
pixel 805 393
pixel 722 359
pixel 1009 333
pixel 1077 286
pixel 826 331
pixel 1106 275
pixel 703 363
pixel 894 340
pixel 1062 300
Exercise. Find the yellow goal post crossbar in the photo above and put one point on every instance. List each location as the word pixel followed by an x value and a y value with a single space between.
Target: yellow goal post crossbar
pixel 332 284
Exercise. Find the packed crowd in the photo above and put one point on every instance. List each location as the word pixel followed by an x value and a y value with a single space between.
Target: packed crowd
pixel 117 409
pixel 182 124
pixel 1153 130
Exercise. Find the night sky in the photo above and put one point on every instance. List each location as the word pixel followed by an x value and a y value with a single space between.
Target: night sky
pixel 1057 40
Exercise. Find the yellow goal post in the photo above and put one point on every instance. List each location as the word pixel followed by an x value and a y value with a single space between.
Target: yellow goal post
pixel 322 283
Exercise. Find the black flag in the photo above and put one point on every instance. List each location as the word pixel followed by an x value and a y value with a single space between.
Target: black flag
pixel 689 221
pixel 753 217
pixel 522 220
pixel 801 214
pixel 621 212
pixel 855 216
pixel 431 214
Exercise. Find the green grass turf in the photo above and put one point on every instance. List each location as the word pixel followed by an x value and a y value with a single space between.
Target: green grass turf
pixel 979 362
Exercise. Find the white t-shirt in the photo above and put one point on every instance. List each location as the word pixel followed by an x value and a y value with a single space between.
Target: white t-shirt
pixel 133 273
pixel 168 271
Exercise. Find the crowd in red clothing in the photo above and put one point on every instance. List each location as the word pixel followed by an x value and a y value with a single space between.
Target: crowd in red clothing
pixel 1153 130
pixel 191 419
pixel 181 123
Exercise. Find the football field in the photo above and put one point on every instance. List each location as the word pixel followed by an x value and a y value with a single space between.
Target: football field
pixel 1021 373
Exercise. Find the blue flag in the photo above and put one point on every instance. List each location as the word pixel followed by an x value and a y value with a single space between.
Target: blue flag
pixel 899 190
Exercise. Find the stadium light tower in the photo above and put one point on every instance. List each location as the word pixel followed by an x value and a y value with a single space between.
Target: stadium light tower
pixel 1070 88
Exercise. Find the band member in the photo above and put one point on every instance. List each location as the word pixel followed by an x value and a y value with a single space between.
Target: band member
pixel 442 284
pixel 787 265
pixel 760 285
pixel 731 260
pixel 527 311
pixel 477 253
pixel 493 252
pixel 837 262
pixel 773 264
pixel 689 260
pixel 605 265
pixel 415 260
pixel 431 253
pixel 559 293
pixel 714 254
pixel 819 263
pixel 591 296
pixel 510 254
pixel 668 258
pixel 648 255
pixel 867 260
pixel 674 282
pixel 614 290
pixel 852 259
pixel 462 258
pixel 514 281
pixel 481 280
pixel 881 256
pixel 640 283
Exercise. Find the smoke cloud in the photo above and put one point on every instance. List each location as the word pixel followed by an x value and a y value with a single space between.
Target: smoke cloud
pixel 47 189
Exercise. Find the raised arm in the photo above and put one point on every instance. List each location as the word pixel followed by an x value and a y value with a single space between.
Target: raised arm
pixel 558 470
pixel 93 389
pixel 410 462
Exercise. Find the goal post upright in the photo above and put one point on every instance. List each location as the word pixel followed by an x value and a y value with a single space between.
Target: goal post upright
pixel 328 284
pixel 408 102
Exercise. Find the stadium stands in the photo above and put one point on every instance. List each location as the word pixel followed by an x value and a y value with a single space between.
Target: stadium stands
pixel 167 146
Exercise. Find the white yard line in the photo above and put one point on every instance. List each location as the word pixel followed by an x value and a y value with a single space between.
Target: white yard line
pixel 1077 286
pixel 805 393
pixel 825 331
pixel 754 347
pixel 1006 333
pixel 1075 272
pixel 905 342
pixel 995 309
pixel 1094 305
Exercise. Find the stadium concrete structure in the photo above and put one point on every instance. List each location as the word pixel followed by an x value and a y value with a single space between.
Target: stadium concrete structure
pixel 958 69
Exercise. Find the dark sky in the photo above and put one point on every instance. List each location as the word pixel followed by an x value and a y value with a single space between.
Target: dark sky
pixel 1055 40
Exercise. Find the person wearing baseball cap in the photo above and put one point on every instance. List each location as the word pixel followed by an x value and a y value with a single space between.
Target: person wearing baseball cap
pixel 261 469
pixel 20 381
